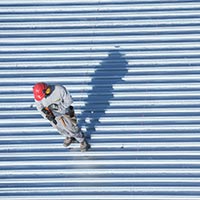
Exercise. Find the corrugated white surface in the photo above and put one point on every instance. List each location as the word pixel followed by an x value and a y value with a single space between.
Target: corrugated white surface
pixel 133 68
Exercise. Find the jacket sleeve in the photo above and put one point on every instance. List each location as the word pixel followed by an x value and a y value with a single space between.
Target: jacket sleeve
pixel 39 107
pixel 66 98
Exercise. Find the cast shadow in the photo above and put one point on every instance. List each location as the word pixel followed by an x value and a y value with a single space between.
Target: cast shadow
pixel 110 71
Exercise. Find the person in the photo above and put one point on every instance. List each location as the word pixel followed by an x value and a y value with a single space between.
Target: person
pixel 54 103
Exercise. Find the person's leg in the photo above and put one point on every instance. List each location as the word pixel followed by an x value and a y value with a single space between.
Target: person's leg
pixel 75 132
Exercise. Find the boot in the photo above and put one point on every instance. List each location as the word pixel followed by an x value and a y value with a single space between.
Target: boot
pixel 84 146
pixel 68 141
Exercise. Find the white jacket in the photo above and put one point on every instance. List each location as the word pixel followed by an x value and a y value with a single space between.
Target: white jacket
pixel 58 101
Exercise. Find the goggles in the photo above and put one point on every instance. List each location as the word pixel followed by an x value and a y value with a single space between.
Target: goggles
pixel 47 91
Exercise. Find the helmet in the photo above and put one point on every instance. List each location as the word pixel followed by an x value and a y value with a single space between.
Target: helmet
pixel 39 90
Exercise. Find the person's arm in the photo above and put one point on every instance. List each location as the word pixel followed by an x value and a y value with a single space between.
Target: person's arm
pixel 66 98
pixel 39 107
pixel 46 113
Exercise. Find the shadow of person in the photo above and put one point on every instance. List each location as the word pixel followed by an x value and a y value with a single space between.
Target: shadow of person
pixel 110 71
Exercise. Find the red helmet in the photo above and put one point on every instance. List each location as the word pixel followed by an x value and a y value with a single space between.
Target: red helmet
pixel 39 90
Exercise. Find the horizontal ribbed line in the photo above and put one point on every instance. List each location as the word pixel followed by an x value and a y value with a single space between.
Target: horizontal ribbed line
pixel 106 155
pixel 125 48
pixel 91 71
pixel 84 89
pixel 105 138
pixel 182 181
pixel 88 58
pixel 112 56
pixel 177 94
pixel 126 104
pixel 100 40
pixel 130 185
pixel 128 78
pixel 191 129
pixel 82 63
pixel 87 2
pixel 114 112
pixel 52 145
pixel 113 10
pixel 99 24
pixel 54 155
pixel 113 121
pixel 100 16
pixel 104 197
pixel 137 172
pixel 97 32
pixel 87 163
pixel 144 119
pixel 151 128
pixel 98 7
pixel 105 191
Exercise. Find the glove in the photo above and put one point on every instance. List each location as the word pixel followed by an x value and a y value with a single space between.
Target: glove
pixel 45 110
pixel 71 111
pixel 49 115
pixel 72 115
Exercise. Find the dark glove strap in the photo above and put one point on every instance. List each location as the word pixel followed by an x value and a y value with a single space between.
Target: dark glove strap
pixel 71 111
pixel 45 111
